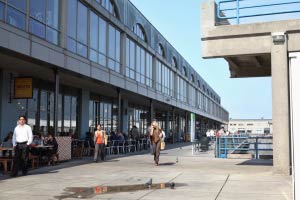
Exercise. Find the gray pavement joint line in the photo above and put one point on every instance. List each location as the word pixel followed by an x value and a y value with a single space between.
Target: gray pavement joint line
pixel 222 187
pixel 156 189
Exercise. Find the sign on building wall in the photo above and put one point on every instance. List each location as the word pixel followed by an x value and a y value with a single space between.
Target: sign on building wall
pixel 23 88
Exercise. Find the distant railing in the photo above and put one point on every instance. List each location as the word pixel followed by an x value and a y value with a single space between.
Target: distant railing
pixel 239 9
pixel 257 146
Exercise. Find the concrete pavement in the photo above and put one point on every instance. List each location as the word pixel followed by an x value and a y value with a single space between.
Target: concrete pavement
pixel 198 176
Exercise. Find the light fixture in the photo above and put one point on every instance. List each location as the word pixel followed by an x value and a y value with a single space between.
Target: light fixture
pixel 278 37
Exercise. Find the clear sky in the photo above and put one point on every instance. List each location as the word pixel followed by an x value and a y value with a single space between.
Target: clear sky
pixel 179 22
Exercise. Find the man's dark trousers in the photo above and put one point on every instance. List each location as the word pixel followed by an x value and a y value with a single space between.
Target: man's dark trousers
pixel 21 159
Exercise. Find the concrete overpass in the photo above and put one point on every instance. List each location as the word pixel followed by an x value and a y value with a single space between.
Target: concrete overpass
pixel 257 50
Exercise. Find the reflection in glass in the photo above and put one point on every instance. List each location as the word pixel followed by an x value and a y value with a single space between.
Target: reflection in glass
pixel 15 18
pixel 37 9
pixel 52 13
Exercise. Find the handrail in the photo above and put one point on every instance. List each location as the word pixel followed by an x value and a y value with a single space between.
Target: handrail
pixel 238 8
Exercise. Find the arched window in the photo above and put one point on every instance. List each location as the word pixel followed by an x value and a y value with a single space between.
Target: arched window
pixel 139 31
pixel 174 62
pixel 199 84
pixel 184 71
pixel 193 79
pixel 109 6
pixel 161 50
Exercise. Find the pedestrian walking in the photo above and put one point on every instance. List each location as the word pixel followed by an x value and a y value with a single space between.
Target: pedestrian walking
pixel 22 138
pixel 156 135
pixel 99 139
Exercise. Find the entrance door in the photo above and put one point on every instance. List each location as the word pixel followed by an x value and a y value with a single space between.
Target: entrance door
pixel 294 73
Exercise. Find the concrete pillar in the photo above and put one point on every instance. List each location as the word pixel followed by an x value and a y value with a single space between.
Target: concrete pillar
pixel 208 15
pixel 280 108
pixel 84 112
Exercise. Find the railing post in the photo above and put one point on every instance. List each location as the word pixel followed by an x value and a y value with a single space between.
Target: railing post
pixel 238 11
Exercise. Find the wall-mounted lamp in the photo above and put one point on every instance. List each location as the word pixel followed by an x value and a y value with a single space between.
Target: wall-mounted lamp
pixel 278 37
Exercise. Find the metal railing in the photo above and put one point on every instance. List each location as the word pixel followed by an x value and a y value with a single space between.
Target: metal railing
pixel 238 9
pixel 256 146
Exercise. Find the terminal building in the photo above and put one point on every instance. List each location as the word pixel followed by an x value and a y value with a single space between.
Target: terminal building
pixel 69 65
pixel 251 127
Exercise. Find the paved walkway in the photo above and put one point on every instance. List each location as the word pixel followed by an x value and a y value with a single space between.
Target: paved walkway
pixel 198 176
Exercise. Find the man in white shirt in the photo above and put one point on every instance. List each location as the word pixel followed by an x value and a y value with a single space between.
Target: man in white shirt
pixel 22 138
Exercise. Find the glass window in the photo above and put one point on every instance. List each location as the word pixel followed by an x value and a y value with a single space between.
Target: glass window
pixel 43 20
pixel 161 50
pixel 111 46
pixel 102 42
pixel 52 35
pixel 138 64
pixel 94 37
pixel 1 11
pixel 37 10
pixel 15 18
pixel 37 28
pixel 139 31
pixel 174 62
pixel 19 4
pixel 82 23
pixel 52 13
pixel 72 16
pixel 108 5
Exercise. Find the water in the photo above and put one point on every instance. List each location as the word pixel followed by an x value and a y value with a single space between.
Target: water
pixel 89 192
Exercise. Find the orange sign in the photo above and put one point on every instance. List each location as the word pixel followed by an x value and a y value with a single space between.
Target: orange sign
pixel 23 88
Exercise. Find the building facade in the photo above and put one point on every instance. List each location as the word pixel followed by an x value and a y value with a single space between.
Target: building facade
pixel 69 65
pixel 251 127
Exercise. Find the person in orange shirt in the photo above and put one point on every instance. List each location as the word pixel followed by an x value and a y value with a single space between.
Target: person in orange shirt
pixel 99 139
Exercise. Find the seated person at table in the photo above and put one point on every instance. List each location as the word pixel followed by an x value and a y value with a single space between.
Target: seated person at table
pixel 7 142
pixel 37 140
pixel 121 138
pixel 52 153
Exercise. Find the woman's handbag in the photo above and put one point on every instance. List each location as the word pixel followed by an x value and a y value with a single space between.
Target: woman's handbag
pixel 162 145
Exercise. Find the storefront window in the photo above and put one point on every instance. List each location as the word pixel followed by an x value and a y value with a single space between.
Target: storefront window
pixel 104 113
pixel 138 117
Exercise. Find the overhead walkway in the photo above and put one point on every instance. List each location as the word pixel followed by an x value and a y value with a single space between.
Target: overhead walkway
pixel 256 42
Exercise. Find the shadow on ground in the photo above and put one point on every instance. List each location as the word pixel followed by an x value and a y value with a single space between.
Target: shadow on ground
pixel 258 162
